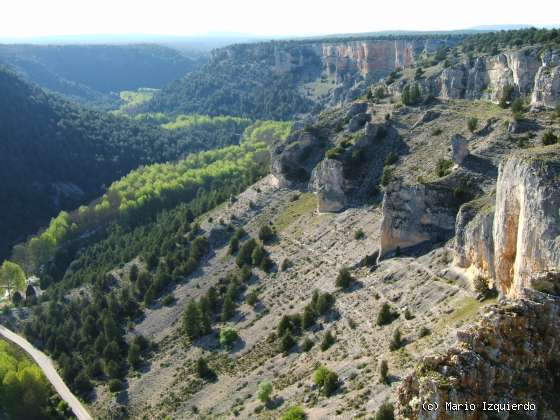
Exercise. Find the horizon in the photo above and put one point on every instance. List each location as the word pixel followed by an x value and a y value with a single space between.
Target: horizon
pixel 250 18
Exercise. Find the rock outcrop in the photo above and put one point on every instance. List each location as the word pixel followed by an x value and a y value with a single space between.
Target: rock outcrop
pixel 327 180
pixel 511 356
pixel 518 236
pixel 525 71
pixel 459 148
pixel 415 214
pixel 527 218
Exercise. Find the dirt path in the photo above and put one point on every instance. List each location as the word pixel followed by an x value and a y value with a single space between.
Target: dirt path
pixel 46 365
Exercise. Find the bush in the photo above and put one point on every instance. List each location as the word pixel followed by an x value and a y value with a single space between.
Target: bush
pixel 557 110
pixel 386 175
pixel 424 331
pixel 344 279
pixel 227 337
pixel 436 131
pixel 287 342
pixel 168 300
pixel 385 412
pixel 472 123
pixel 549 138
pixel 443 167
pixel 266 234
pixel 383 371
pixel 294 413
pixel 252 298
pixel 359 234
pixel 328 341
pixel 517 106
pixel 307 344
pixel 264 391
pixel 391 158
pixel 507 94
pixel 203 370
pixel 397 341
pixel 385 315
pixel 285 264
pixel 326 380
pixel 115 385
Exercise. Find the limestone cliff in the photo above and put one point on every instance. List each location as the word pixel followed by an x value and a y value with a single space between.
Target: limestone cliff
pixel 522 236
pixel 511 356
pixel 415 214
pixel 527 71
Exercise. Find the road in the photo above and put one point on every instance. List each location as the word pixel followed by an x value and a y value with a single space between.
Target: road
pixel 46 365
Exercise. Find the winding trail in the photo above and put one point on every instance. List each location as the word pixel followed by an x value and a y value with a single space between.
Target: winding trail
pixel 46 365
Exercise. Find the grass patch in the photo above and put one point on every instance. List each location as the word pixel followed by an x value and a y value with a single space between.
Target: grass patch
pixel 305 204
pixel 466 309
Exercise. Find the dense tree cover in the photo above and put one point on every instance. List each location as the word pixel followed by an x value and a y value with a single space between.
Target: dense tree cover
pixel 171 247
pixel 24 390
pixel 144 191
pixel 269 132
pixel 56 155
pixel 241 81
pixel 493 42
pixel 94 72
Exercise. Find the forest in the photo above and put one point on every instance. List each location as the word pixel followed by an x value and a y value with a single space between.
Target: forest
pixel 56 154
pixel 24 391
pixel 73 70
pixel 493 42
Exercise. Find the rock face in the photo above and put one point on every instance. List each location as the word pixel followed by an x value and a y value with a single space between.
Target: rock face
pixel 546 91
pixel 327 180
pixel 521 237
pixel 527 218
pixel 358 121
pixel 460 148
pixel 474 243
pixel 510 356
pixel 524 70
pixel 415 214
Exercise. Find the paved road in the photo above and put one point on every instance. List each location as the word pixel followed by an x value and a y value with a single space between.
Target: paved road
pixel 46 364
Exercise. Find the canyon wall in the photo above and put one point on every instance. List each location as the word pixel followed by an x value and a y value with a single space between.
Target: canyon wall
pixel 529 71
pixel 517 237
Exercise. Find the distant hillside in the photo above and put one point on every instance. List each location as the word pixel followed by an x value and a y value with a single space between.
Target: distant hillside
pixel 55 155
pixel 96 73
pixel 281 79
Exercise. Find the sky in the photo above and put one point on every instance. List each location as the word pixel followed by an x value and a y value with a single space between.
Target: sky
pixel 37 18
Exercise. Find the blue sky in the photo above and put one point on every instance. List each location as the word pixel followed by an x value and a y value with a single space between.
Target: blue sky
pixel 32 18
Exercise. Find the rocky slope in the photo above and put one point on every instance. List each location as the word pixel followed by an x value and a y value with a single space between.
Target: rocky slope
pixel 526 72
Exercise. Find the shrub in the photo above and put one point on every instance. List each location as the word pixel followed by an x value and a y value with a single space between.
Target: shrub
pixel 328 341
pixel 285 264
pixel 307 344
pixel 397 341
pixel 385 412
pixel 517 106
pixel 228 336
pixel 557 110
pixel 424 331
pixel 359 234
pixel 344 279
pixel 294 413
pixel 168 300
pixel 252 298
pixel 386 175
pixel 385 315
pixel 472 123
pixel 203 370
pixel 266 234
pixel 264 391
pixel 436 131
pixel 391 158
pixel 507 94
pixel 549 138
pixel 443 167
pixel 383 371
pixel 287 342
pixel 115 385
pixel 380 93
pixel 407 314
pixel 326 380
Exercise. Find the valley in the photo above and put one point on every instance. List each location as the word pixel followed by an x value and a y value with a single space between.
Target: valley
pixel 326 228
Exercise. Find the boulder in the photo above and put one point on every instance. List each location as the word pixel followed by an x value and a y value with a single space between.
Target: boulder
pixel 356 108
pixel 460 148
pixel 358 121
pixel 426 117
